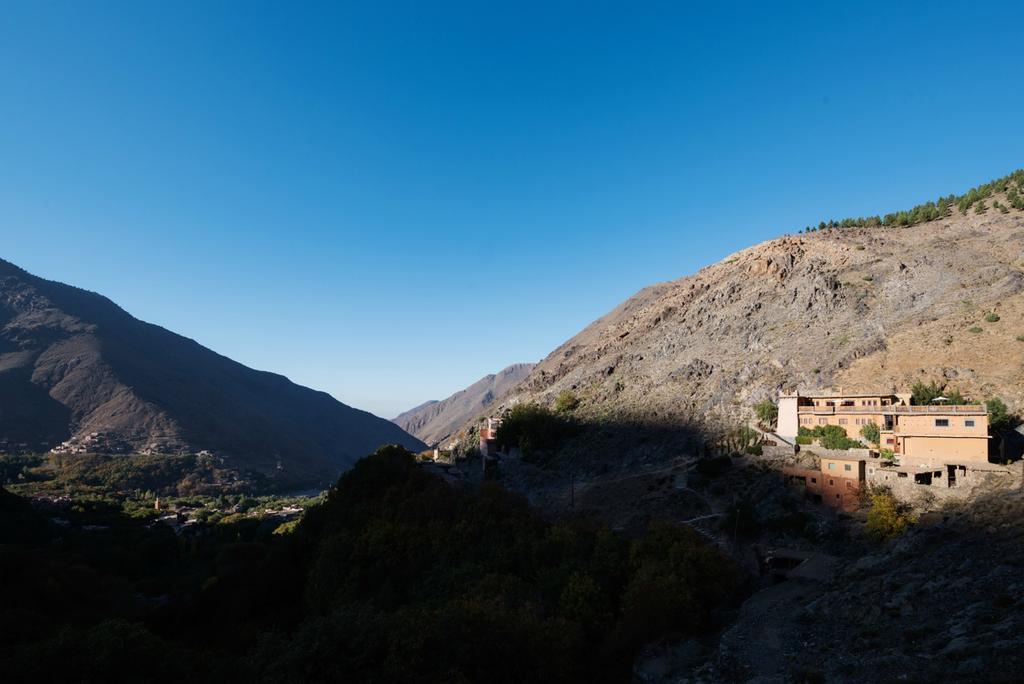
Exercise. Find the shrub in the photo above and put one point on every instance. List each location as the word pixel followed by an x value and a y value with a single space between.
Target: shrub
pixel 887 455
pixel 1020 338
pixel 999 417
pixel 829 436
pixel 922 394
pixel 974 329
pixel 871 433
pixel 767 412
pixel 567 402
pixel 888 518
pixel 991 317
pixel 532 427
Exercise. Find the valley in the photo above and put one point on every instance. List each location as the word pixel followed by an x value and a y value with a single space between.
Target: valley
pixel 643 493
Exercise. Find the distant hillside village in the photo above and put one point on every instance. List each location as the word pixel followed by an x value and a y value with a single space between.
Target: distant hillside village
pixel 885 440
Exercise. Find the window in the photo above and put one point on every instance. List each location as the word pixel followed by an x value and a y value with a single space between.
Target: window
pixel 888 440
pixel 842 421
pixel 832 482
pixel 814 480
pixel 823 421
pixel 831 466
pixel 847 467
pixel 968 423
pixel 942 422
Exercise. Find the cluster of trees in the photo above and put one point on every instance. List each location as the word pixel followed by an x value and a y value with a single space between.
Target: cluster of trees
pixel 534 428
pixel 999 416
pixel 1012 185
pixel 103 474
pixel 396 576
pixel 923 394
pixel 829 436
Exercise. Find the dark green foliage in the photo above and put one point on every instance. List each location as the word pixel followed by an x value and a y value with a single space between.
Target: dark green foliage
pixel 533 428
pixel 767 412
pixel 999 416
pixel 829 436
pixel 1012 185
pixel 991 317
pixel 395 577
pixel 871 433
pixel 922 394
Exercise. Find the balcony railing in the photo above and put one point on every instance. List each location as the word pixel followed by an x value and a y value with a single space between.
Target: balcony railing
pixel 974 409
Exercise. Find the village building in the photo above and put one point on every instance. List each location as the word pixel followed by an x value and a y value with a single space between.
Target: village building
pixel 837 482
pixel 937 445
pixel 489 437
pixel 927 436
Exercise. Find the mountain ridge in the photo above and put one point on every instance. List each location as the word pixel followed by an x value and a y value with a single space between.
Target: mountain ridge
pixel 435 420
pixel 873 306
pixel 73 363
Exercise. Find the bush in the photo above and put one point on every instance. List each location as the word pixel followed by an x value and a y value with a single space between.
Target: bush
pixel 922 394
pixel 999 417
pixel 974 329
pixel 887 455
pixel 829 436
pixel 532 427
pixel 767 412
pixel 567 402
pixel 871 433
pixel 991 317
pixel 888 518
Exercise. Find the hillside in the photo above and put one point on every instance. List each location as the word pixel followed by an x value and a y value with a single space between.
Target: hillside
pixel 72 363
pixel 862 306
pixel 434 421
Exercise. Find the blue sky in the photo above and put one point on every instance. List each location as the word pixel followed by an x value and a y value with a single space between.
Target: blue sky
pixel 387 201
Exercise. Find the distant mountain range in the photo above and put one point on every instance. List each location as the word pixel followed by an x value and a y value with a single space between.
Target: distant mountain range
pixel 74 367
pixel 434 421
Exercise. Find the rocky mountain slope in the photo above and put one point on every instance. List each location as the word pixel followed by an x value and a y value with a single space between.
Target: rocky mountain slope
pixel 857 307
pixel 72 363
pixel 434 421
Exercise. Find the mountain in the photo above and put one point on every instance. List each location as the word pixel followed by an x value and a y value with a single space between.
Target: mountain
pixel 435 420
pixel 865 306
pixel 72 363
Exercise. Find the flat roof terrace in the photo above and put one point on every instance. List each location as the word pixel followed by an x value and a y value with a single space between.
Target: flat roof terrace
pixel 937 410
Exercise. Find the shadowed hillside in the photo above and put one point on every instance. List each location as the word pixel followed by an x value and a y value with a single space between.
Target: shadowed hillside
pixel 73 363
pixel 434 421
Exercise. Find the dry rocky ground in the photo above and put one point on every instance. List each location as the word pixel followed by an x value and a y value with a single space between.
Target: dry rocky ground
pixel 858 308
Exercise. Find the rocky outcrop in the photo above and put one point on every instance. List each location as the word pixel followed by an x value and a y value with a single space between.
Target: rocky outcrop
pixel 861 308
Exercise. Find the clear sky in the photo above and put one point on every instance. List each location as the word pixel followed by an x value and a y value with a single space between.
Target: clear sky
pixel 387 201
